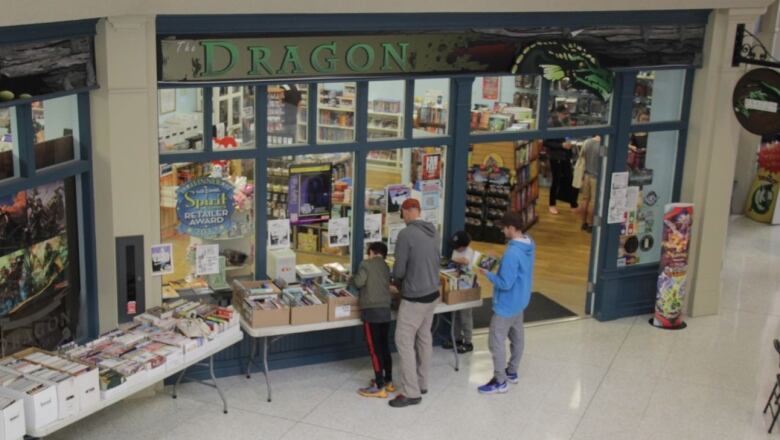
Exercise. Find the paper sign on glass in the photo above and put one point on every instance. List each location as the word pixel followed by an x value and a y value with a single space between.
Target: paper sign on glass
pixel 162 259
pixel 338 232
pixel 279 234
pixel 373 228
pixel 392 236
pixel 206 259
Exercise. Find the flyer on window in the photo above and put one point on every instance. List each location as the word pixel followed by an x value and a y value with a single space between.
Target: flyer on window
pixel 162 259
pixel 392 236
pixel 431 167
pixel 373 228
pixel 279 234
pixel 338 232
pixel 396 194
pixel 206 259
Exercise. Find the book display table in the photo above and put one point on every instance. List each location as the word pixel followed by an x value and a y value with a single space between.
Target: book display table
pixel 207 351
pixel 277 332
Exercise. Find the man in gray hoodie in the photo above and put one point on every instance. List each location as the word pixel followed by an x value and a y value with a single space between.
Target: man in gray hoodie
pixel 416 271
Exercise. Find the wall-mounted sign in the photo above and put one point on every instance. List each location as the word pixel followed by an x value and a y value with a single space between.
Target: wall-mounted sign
pixel 556 50
pixel 204 207
pixel 756 99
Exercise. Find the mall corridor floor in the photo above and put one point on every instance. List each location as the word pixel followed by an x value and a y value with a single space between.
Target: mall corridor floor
pixel 579 380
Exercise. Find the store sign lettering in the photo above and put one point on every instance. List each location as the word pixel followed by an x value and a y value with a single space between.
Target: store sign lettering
pixel 222 58
pixel 204 207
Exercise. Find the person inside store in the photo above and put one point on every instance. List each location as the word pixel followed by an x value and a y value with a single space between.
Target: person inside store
pixel 637 146
pixel 416 273
pixel 373 281
pixel 511 295
pixel 590 153
pixel 463 256
pixel 559 155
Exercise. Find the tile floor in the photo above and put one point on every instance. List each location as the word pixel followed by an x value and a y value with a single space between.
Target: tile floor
pixel 579 380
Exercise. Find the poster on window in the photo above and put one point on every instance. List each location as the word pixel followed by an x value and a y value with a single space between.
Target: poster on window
pixel 395 196
pixel 279 234
pixel 162 259
pixel 431 167
pixel 673 270
pixel 204 207
pixel 372 228
pixel 206 259
pixel 309 193
pixel 338 232
pixel 392 236
pixel 490 87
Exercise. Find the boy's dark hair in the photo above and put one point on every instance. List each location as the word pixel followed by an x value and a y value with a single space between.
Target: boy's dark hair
pixel 378 247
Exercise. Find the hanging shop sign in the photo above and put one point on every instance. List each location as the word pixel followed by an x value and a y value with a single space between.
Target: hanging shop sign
pixel 583 54
pixel 672 279
pixel 31 69
pixel 762 200
pixel 204 207
pixel 756 101
pixel 309 193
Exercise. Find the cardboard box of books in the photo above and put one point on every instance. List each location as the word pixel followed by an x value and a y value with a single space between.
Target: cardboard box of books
pixel 342 304
pixel 458 286
pixel 86 377
pixel 306 306
pixel 260 304
pixel 40 400
pixel 11 419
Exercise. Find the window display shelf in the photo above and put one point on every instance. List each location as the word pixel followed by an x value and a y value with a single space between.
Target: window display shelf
pixel 336 126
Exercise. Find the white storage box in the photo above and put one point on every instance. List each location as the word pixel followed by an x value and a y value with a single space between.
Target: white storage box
pixel 12 421
pixel 40 408
pixel 88 388
pixel 67 396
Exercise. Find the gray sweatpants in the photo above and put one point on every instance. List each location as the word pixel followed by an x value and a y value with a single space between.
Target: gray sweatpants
pixel 500 329
pixel 464 325
pixel 414 342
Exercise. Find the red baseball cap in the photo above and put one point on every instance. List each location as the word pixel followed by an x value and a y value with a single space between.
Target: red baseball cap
pixel 410 204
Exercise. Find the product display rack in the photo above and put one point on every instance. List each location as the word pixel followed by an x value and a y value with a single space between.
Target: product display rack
pixel 430 118
pixel 584 108
pixel 336 114
pixel 487 200
pixel 643 93
pixel 385 120
pixel 526 190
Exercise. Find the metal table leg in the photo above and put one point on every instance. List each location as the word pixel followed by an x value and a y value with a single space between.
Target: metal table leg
pixel 216 385
pixel 178 381
pixel 251 358
pixel 454 344
pixel 265 367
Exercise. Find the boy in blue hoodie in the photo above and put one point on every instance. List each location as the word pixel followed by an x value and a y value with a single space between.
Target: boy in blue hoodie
pixel 511 294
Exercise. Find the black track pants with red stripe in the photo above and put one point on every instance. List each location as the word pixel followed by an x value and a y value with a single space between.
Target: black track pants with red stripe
pixel 378 340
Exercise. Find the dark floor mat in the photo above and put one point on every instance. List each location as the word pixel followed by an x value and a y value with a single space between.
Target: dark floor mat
pixel 541 308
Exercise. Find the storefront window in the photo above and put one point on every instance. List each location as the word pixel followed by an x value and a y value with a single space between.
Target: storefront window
pixel 651 171
pixel 288 114
pixel 55 126
pixel 504 103
pixel 420 174
pixel 233 117
pixel 180 113
pixel 431 107
pixel 207 216
pixel 9 149
pixel 658 95
pixel 386 109
pixel 311 196
pixel 336 112
pixel 570 107
pixel 39 269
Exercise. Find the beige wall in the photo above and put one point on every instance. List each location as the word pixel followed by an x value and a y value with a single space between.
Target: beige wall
pixel 124 130
pixel 124 116
pixel 39 11
pixel 710 157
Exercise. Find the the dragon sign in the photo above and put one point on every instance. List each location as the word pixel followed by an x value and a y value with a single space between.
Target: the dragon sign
pixel 561 59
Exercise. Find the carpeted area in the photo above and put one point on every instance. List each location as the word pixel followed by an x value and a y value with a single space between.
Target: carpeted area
pixel 541 308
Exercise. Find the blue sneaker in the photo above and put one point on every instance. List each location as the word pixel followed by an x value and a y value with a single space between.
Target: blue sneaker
pixel 512 378
pixel 493 387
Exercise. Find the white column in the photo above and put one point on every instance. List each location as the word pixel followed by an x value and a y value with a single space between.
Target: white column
pixel 711 156
pixel 126 164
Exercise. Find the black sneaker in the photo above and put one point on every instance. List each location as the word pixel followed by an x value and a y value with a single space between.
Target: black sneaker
pixel 465 347
pixel 447 344
pixel 423 391
pixel 401 401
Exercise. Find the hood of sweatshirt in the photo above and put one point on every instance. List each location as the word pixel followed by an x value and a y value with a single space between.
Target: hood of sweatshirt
pixel 525 245
pixel 425 227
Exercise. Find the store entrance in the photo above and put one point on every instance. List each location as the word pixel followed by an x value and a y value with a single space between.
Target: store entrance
pixel 520 176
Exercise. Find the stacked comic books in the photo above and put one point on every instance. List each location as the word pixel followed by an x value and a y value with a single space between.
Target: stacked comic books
pixel 308 271
pixel 337 272
pixel 297 296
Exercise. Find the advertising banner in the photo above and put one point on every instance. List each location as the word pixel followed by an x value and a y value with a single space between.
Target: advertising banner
pixel 672 279
pixel 761 203
pixel 204 207
pixel 309 195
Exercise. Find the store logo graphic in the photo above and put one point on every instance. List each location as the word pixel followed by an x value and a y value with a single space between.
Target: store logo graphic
pixel 561 59
pixel 221 57
pixel 204 207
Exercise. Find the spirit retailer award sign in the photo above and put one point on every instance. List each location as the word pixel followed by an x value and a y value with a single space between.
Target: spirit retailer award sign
pixel 672 279
pixel 204 207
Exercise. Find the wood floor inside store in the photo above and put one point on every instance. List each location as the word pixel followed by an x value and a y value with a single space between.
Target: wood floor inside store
pixel 562 256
